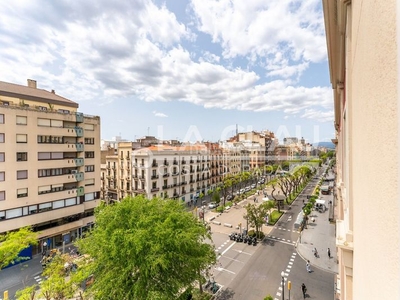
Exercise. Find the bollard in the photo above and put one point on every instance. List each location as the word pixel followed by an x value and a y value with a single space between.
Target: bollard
pixel 216 223
pixel 228 225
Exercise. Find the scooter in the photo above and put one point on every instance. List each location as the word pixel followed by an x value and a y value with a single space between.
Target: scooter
pixel 254 241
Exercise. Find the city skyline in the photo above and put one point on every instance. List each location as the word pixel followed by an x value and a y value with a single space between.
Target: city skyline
pixel 186 70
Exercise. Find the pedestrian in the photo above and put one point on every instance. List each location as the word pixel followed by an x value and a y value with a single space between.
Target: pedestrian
pixel 315 252
pixel 304 290
pixel 329 253
pixel 308 266
pixel 254 199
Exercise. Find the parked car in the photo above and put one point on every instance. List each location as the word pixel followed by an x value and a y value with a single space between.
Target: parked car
pixel 212 205
pixel 253 186
pixel 229 197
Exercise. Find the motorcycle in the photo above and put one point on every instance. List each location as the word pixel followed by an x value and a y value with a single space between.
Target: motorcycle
pixel 254 241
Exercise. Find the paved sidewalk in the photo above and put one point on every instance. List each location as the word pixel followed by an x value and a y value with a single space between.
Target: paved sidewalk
pixel 320 235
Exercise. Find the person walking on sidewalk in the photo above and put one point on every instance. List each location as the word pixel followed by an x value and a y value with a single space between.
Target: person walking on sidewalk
pixel 329 253
pixel 304 290
pixel 308 266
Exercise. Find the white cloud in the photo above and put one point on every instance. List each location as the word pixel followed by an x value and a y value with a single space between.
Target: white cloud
pixel 159 114
pixel 293 30
pixel 100 51
pixel 318 115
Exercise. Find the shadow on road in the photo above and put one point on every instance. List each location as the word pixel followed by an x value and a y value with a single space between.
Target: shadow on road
pixel 268 242
pixel 226 294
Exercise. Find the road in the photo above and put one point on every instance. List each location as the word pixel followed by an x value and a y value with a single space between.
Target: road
pixel 253 272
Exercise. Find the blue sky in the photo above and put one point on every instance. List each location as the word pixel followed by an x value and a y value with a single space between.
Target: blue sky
pixel 191 70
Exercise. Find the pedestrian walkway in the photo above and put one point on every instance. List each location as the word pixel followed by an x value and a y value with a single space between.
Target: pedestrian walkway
pixel 320 235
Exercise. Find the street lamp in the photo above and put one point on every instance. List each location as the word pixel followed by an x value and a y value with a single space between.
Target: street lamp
pixel 283 285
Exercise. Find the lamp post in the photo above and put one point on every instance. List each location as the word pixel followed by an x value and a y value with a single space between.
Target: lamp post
pixel 283 285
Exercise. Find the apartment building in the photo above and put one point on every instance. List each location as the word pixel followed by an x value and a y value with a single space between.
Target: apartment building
pixel 235 158
pixel 49 164
pixel 182 172
pixel 362 41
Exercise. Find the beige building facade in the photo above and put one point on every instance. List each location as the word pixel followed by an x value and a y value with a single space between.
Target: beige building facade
pixel 49 164
pixel 362 42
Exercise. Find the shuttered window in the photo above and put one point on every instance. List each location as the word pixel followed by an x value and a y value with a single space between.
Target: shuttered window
pixel 43 122
pixel 23 174
pixel 56 123
pixel 22 138
pixel 22 120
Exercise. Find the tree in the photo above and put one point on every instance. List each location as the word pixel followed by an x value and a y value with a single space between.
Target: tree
pixel 215 197
pixel 146 249
pixel 255 216
pixel 12 243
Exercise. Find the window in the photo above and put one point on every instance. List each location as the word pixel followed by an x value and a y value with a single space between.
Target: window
pixel 22 156
pixel 89 181
pixel 89 141
pixel 2 195
pixel 2 156
pixel 22 138
pixel 89 127
pixel 22 120
pixel 50 155
pixel 44 207
pixel 1 118
pixel 56 123
pixel 43 122
pixel 58 204
pixel 2 137
pixel 2 176
pixel 89 168
pixel 89 154
pixel 22 193
pixel 44 189
pixel 22 174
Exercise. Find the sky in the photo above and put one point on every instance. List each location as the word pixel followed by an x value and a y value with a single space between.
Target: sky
pixel 192 70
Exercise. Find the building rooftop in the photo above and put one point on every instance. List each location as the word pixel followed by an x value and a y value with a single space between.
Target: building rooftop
pixel 31 92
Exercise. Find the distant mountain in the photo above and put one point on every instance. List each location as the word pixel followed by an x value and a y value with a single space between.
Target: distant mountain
pixel 329 145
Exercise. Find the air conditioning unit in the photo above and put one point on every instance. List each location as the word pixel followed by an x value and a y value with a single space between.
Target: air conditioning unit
pixel 74 172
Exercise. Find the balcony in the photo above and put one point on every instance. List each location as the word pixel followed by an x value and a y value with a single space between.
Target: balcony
pixel 198 160
pixel 183 192
pixel 79 176
pixel 175 195
pixel 183 162
pixel 165 187
pixel 192 171
pixel 154 164
pixel 197 169
pixel 79 147
pixel 154 176
pixel 166 163
pixel 135 175
pixel 183 182
pixel 191 181
pixel 128 157
pixel 191 161
pixel 203 160
pixel 175 162
pixel 165 175
pixel 79 162
pixel 121 157
pixel 80 191
pixel 155 189
pixel 142 165
pixel 79 117
pixel 79 131
pixel 175 174
pixel 183 172
pixel 174 184
pixel 192 189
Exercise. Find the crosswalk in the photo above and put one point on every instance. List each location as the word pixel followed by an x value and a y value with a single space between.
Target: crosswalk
pixel 38 279
pixel 279 239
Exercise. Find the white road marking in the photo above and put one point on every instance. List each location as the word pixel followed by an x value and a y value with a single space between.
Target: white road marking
pixel 240 251
pixel 234 259
pixel 222 269
pixel 226 250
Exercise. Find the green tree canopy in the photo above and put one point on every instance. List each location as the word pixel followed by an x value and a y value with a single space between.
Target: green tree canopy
pixel 146 249
pixel 12 243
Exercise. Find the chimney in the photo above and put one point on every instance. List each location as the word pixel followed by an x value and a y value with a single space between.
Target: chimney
pixel 53 91
pixel 32 83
